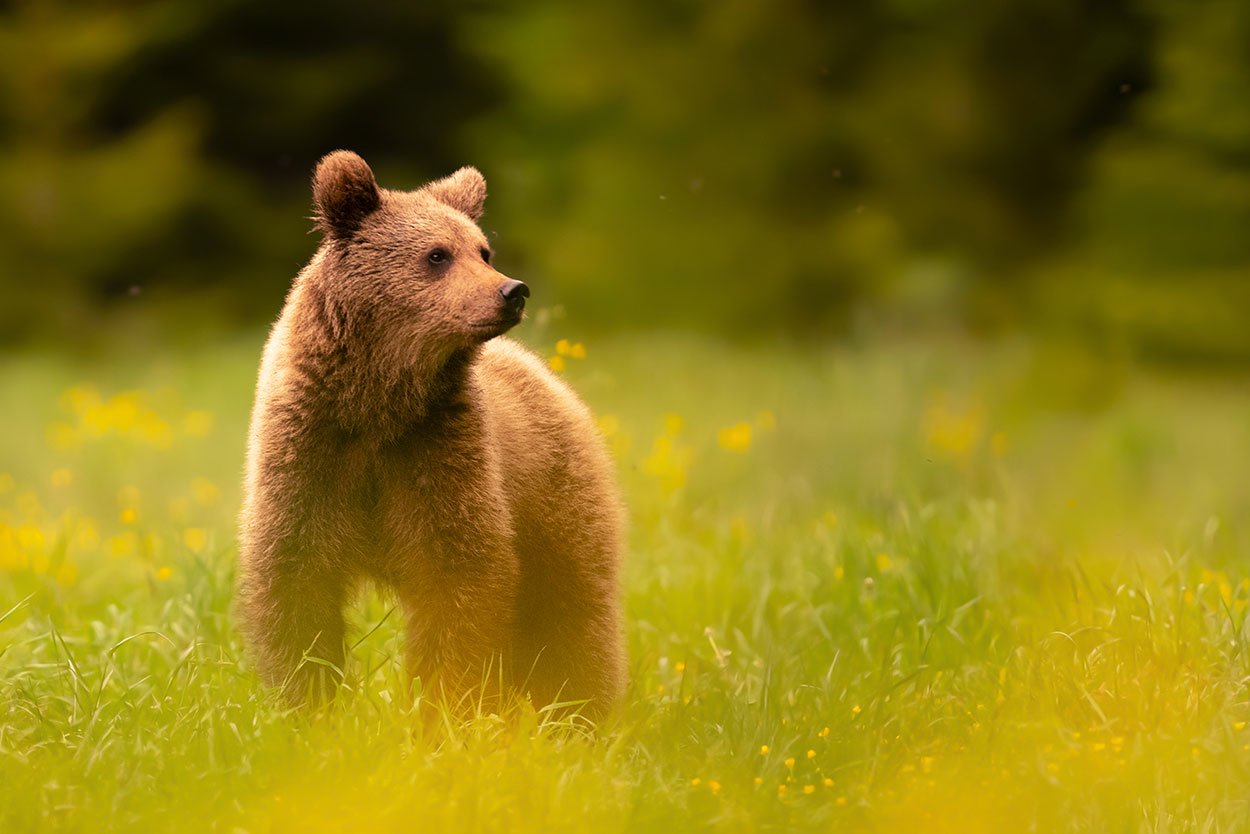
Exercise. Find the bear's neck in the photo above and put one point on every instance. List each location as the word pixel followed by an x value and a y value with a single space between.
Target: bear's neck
pixel 363 390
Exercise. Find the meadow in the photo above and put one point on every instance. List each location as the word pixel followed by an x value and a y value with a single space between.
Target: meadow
pixel 890 585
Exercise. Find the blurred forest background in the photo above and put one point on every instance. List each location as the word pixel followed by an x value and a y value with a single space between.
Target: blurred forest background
pixel 748 167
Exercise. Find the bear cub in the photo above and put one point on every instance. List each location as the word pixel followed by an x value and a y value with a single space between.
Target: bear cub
pixel 398 437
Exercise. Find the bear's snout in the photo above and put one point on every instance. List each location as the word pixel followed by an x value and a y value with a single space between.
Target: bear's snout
pixel 514 294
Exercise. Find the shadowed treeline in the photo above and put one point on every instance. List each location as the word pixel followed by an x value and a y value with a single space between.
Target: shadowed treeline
pixel 741 166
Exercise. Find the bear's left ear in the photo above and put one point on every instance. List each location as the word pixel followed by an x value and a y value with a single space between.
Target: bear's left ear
pixel 345 192
pixel 464 191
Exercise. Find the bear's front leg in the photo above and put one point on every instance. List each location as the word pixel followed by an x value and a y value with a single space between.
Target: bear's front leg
pixel 292 613
pixel 456 574
pixel 459 615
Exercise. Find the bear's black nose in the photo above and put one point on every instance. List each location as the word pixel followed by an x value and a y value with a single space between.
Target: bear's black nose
pixel 514 294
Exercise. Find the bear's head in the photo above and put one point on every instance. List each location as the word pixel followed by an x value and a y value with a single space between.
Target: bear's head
pixel 409 270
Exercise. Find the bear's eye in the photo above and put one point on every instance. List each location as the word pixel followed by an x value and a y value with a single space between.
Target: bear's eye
pixel 485 254
pixel 438 257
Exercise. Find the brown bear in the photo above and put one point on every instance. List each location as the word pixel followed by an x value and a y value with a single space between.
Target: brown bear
pixel 398 437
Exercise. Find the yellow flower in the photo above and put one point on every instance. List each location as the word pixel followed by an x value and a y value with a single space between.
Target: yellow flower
pixel 713 786
pixel 841 800
pixel 11 558
pixel 155 431
pixel 953 433
pixel 781 790
pixel 205 492
pixel 577 350
pixel 884 563
pixel 556 363
pixel 563 347
pixel 763 749
pixel 129 515
pixel 66 574
pixel 759 780
pixel 1239 725
pixel 30 537
pixel 195 538
pixel 61 478
pixel 809 789
pixel 164 573
pixel 811 754
pixel 828 782
pixel 838 573
pixel 62 436
pixel 87 536
pixel 790 762
pixel 855 710
pixel 609 424
pixel 998 444
pixel 735 438
pixel 122 545
pixel 824 733
pixel 695 782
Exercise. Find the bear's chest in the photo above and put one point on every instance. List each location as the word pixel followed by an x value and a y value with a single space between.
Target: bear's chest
pixel 406 496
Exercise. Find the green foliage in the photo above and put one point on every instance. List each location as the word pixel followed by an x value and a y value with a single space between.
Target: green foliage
pixel 945 590
pixel 744 166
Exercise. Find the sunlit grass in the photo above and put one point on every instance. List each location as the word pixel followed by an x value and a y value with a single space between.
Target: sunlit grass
pixel 882 588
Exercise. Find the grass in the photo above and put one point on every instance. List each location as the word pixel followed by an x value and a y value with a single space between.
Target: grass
pixel 870 588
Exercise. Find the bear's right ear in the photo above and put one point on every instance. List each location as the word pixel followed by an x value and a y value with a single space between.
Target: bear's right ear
pixel 345 192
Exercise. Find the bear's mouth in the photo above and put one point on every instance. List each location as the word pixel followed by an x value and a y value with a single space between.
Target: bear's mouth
pixel 495 327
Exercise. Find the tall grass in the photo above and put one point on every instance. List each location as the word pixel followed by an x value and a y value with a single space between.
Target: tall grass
pixel 881 588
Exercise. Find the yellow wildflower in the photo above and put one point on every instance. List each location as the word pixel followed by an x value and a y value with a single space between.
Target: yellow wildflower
pixel 735 438
pixel 67 574
pixel 195 538
pixel 205 492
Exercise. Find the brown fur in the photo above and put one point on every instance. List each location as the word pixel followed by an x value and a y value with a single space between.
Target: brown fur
pixel 397 437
